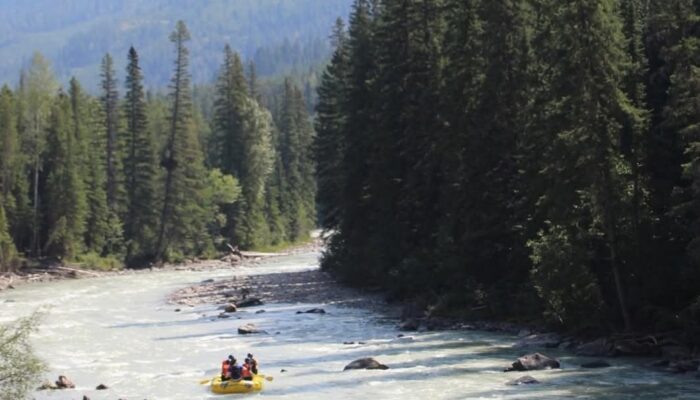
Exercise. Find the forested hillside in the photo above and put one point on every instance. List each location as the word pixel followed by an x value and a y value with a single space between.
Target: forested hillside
pixel 126 177
pixel 279 35
pixel 516 158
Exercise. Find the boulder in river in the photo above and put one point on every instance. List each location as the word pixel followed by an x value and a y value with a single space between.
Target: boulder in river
pixel 595 364
pixel 313 311
pixel 533 362
pixel 48 385
pixel 365 363
pixel 230 308
pixel 250 302
pixel 101 386
pixel 249 329
pixel 597 348
pixel 523 380
pixel 548 340
pixel 64 383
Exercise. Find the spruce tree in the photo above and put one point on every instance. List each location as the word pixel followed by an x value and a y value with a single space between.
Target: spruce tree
pixel 110 106
pixel 66 206
pixel 182 225
pixel 89 133
pixel 329 125
pixel 140 170
pixel 586 178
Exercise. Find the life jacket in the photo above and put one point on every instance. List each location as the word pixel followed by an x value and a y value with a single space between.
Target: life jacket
pixel 245 371
pixel 225 373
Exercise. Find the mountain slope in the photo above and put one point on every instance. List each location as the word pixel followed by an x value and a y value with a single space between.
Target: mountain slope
pixel 74 34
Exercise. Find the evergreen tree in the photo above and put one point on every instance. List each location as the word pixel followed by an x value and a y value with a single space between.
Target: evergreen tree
pixel 66 202
pixel 329 125
pixel 587 179
pixel 110 105
pixel 183 223
pixel 296 136
pixel 140 169
pixel 358 105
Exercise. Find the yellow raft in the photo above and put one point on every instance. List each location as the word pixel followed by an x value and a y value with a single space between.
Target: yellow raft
pixel 228 387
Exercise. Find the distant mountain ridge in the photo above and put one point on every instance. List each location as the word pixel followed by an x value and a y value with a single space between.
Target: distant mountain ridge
pixel 280 35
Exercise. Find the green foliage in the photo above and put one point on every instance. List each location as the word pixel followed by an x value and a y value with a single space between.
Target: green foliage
pixel 98 262
pixel 8 253
pixel 20 368
pixel 562 278
pixel 66 207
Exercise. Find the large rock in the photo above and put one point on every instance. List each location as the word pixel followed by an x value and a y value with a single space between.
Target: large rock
pixel 249 329
pixel 365 363
pixel 64 383
pixel 230 308
pixel 634 348
pixel 523 380
pixel 101 386
pixel 250 302
pixel 548 340
pixel 533 362
pixel 313 311
pixel 597 348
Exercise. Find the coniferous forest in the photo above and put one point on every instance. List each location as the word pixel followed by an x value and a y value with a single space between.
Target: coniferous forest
pixel 135 177
pixel 519 158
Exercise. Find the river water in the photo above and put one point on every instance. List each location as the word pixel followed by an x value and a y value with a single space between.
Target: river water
pixel 120 331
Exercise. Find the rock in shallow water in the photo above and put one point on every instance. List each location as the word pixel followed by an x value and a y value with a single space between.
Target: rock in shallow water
pixel 533 362
pixel 365 363
pixel 313 311
pixel 251 302
pixel 101 386
pixel 249 329
pixel 523 380
pixel 64 383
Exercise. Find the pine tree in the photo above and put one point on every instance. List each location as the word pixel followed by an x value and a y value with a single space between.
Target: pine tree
pixel 404 175
pixel 586 176
pixel 683 114
pixel 110 105
pixel 9 148
pixel 89 138
pixel 66 202
pixel 358 105
pixel 140 169
pixel 244 133
pixel 296 136
pixel 183 223
pixel 328 145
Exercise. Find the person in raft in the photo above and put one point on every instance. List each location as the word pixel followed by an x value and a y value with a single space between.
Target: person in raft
pixel 246 373
pixel 253 364
pixel 225 373
pixel 234 369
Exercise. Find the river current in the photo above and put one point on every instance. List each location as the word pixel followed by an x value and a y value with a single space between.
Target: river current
pixel 121 332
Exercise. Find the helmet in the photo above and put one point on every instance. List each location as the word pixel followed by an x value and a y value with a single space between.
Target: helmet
pixel 250 355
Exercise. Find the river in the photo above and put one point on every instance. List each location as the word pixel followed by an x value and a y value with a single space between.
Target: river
pixel 121 332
